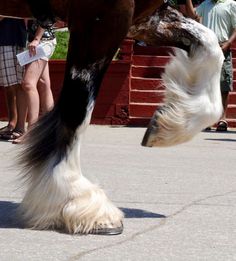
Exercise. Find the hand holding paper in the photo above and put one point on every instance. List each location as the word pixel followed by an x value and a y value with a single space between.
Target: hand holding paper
pixel 42 50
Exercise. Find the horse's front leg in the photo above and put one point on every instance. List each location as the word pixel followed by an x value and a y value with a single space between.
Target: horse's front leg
pixel 59 195
pixel 192 79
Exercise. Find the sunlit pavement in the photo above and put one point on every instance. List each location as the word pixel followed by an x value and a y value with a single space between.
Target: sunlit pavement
pixel 179 202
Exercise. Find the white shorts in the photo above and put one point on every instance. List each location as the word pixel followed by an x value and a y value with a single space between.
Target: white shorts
pixel 52 44
pixel 11 73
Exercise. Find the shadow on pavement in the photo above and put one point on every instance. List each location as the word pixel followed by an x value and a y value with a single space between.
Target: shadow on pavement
pixel 8 215
pixel 140 213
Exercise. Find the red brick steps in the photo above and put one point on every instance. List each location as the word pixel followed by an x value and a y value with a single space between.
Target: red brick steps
pixel 150 60
pixel 147 71
pixel 147 96
pixel 139 83
pixel 146 92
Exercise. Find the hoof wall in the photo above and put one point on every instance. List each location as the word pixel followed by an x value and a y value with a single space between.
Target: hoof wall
pixel 107 231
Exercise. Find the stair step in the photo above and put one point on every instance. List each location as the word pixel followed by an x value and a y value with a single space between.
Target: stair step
pixel 152 50
pixel 234 52
pixel 139 96
pixel 142 109
pixel 144 121
pixel 139 121
pixel 234 85
pixel 147 110
pixel 232 98
pixel 234 62
pixel 150 60
pixel 156 96
pixel 139 83
pixel 147 71
pixel 231 111
pixel 231 123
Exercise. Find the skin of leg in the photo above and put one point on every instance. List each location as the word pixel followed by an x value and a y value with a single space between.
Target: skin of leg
pixel 45 92
pixel 10 94
pixel 225 96
pixel 33 72
pixel 21 105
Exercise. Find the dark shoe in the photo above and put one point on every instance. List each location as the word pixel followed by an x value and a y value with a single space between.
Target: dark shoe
pixel 207 129
pixel 222 125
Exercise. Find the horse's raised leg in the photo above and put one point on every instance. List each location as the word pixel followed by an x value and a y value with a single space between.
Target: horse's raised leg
pixel 58 194
pixel 192 79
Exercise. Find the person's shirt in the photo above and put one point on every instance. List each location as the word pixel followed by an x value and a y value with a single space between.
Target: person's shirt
pixel 13 32
pixel 32 27
pixel 219 16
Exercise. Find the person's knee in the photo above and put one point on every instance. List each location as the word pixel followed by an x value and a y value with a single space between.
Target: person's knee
pixel 27 85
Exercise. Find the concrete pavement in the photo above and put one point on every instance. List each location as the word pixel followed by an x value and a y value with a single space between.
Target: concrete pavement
pixel 179 202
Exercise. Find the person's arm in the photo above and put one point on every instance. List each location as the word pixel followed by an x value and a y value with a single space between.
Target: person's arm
pixel 226 45
pixel 32 45
pixel 190 10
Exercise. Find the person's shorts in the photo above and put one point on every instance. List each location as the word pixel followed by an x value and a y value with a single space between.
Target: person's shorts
pixel 226 78
pixel 52 44
pixel 11 73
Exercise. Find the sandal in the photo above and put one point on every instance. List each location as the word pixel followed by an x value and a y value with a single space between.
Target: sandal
pixel 222 125
pixel 10 136
pixel 18 140
pixel 6 135
pixel 6 129
pixel 207 129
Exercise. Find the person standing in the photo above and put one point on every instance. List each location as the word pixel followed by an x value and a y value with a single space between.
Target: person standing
pixel 36 81
pixel 220 16
pixel 13 36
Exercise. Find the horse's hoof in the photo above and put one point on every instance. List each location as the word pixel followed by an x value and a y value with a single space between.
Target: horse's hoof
pixel 150 136
pixel 107 231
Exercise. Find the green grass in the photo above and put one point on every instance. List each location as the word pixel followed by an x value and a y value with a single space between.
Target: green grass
pixel 62 45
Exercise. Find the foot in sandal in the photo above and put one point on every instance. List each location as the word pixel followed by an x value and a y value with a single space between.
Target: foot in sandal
pixel 222 125
pixel 19 138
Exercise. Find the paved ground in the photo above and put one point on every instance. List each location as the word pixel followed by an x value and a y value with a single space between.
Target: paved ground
pixel 179 202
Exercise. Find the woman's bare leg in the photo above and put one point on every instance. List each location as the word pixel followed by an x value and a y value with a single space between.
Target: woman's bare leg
pixel 10 93
pixel 45 92
pixel 33 73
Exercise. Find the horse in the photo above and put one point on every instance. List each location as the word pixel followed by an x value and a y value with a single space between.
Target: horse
pixel 58 196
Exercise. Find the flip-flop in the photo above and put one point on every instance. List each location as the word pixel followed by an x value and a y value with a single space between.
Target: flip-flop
pixel 222 125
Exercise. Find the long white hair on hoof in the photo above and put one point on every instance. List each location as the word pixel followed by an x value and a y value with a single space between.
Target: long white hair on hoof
pixel 192 98
pixel 61 197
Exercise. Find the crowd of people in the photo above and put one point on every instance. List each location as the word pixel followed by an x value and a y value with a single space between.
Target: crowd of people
pixel 27 88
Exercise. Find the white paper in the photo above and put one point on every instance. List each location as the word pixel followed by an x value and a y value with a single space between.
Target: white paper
pixel 42 50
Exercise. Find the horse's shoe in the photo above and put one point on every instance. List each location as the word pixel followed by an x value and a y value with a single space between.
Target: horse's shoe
pixel 107 231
